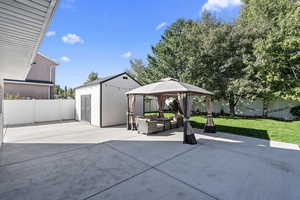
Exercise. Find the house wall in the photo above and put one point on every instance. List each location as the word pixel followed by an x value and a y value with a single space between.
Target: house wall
pixel 114 100
pixel 28 90
pixel 94 91
pixel 41 70
pixel 37 111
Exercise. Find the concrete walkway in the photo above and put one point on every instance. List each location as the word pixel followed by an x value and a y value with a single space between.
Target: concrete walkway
pixel 73 160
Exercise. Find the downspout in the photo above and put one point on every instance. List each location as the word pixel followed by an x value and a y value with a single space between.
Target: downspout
pixel 101 122
pixel 1 110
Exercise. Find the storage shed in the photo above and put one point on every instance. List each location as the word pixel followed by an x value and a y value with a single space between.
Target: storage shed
pixel 103 102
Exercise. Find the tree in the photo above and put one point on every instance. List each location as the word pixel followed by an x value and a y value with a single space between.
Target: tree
pixel 58 91
pixel 256 57
pixel 221 64
pixel 206 53
pixel 137 67
pixel 92 77
pixel 175 53
pixel 71 93
pixel 272 27
pixel 278 56
pixel 65 93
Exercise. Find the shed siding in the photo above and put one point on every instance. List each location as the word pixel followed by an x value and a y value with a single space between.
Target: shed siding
pixel 114 100
pixel 94 91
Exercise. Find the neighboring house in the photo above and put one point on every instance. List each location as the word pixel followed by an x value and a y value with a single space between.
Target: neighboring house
pixel 104 103
pixel 39 83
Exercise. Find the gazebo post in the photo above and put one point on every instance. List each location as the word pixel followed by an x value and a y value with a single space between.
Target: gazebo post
pixel 128 123
pixel 209 125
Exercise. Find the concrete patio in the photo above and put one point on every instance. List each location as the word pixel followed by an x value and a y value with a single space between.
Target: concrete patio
pixel 73 160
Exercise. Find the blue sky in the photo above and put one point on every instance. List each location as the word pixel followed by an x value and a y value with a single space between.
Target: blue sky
pixel 102 36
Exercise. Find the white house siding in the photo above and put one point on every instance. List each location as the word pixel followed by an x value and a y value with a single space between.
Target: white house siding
pixel 114 100
pixel 94 91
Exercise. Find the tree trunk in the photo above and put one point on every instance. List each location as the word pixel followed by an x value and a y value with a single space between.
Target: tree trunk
pixel 231 105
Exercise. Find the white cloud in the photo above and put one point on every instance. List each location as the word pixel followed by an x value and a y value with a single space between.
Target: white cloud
pixel 72 39
pixel 217 5
pixel 65 59
pixel 68 3
pixel 126 55
pixel 50 33
pixel 161 25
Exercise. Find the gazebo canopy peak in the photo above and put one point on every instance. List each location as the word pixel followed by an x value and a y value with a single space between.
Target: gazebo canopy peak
pixel 169 79
pixel 169 87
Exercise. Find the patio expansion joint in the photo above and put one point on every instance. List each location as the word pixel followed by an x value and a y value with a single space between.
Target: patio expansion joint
pixel 116 184
pixel 153 167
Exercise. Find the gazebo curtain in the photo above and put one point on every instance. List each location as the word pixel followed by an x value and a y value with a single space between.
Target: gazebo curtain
pixel 185 101
pixel 131 119
pixel 161 105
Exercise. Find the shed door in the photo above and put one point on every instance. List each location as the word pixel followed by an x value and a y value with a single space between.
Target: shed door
pixel 86 108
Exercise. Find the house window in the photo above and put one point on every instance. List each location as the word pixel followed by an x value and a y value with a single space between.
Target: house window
pixel 125 77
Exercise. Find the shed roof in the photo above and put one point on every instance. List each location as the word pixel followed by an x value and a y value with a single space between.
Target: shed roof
pixel 104 79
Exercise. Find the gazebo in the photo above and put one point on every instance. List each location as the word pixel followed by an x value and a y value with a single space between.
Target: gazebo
pixel 183 92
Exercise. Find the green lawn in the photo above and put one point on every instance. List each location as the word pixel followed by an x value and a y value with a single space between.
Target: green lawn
pixel 254 127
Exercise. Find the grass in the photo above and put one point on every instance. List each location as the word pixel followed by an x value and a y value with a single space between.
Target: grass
pixel 269 129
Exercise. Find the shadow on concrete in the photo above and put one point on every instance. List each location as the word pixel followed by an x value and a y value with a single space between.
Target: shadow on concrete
pixel 170 132
pixel 257 133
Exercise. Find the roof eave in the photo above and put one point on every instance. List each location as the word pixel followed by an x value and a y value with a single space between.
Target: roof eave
pixel 55 63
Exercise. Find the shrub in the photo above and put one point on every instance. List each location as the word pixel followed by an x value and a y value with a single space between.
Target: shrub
pixel 296 111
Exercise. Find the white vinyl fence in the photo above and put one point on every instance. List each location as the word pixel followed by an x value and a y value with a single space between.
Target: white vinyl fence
pixel 31 111
pixel 279 108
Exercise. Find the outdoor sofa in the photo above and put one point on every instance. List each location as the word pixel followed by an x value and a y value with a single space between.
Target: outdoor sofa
pixel 154 124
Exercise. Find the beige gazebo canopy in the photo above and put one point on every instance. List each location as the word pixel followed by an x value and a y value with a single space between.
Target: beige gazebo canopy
pixel 170 87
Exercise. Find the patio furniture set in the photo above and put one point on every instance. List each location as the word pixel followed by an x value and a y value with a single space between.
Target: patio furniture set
pixel 154 124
